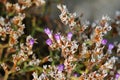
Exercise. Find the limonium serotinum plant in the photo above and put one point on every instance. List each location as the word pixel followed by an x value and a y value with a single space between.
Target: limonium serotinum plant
pixel 11 29
pixel 81 53
pixel 84 53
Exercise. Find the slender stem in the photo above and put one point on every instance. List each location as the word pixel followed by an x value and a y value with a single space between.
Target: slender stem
pixel 1 50
pixel 9 72
pixel 6 75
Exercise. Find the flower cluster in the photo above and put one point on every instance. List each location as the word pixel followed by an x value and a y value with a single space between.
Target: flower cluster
pixel 22 5
pixel 71 20
pixel 56 41
pixel 93 52
pixel 11 29
pixel 82 52
pixel 66 17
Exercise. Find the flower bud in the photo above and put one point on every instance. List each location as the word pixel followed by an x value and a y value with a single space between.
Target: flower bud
pixel 104 42
pixel 57 37
pixel 31 41
pixel 49 42
pixel 61 67
pixel 69 36
pixel 110 46
pixel 48 32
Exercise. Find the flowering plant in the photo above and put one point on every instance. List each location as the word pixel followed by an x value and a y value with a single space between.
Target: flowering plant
pixel 82 52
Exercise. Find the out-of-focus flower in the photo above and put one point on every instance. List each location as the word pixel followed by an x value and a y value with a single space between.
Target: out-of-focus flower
pixel 117 76
pixel 110 46
pixel 105 17
pixel 57 37
pixel 35 76
pixel 39 2
pixel 104 41
pixel 49 42
pixel 61 67
pixel 69 36
pixel 48 32
pixel 76 74
pixel 117 13
pixel 31 41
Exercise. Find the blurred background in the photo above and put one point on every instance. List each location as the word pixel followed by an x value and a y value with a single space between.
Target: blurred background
pixel 92 9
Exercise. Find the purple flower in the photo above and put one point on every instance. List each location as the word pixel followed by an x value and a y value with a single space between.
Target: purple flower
pixel 57 37
pixel 117 75
pixel 31 41
pixel 47 31
pixel 76 74
pixel 110 46
pixel 69 36
pixel 104 42
pixel 49 42
pixel 61 67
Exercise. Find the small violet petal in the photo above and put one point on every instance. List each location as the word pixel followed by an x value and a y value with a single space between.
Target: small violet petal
pixel 49 42
pixel 57 36
pixel 31 41
pixel 117 76
pixel 61 67
pixel 110 46
pixel 47 31
pixel 104 41
pixel 69 36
